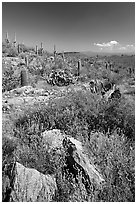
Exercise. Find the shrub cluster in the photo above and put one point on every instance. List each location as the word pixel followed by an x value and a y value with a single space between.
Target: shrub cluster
pixel 82 111
pixel 9 80
pixel 9 50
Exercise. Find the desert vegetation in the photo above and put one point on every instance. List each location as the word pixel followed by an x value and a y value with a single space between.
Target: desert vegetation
pixel 59 87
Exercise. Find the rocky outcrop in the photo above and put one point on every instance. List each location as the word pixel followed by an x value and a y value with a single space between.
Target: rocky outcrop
pixel 82 159
pixel 77 162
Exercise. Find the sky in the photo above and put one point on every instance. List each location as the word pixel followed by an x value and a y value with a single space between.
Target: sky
pixel 71 26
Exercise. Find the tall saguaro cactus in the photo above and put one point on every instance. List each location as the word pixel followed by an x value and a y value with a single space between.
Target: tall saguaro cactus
pixel 63 56
pixel 24 77
pixel 14 42
pixel 55 51
pixel 36 50
pixel 7 38
pixel 41 48
pixel 26 61
pixel 79 67
pixel 18 48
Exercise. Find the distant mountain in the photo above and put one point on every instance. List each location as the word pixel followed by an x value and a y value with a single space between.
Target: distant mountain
pixel 92 53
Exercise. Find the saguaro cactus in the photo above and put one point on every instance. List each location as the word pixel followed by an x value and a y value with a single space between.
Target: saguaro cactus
pixel 26 61
pixel 79 67
pixel 24 77
pixel 54 51
pixel 14 42
pixel 18 48
pixel 41 49
pixel 130 70
pixel 36 49
pixel 106 65
pixel 7 38
pixel 63 56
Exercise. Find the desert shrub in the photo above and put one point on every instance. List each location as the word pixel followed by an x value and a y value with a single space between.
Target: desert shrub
pixel 68 114
pixel 9 80
pixel 25 48
pixel 33 153
pixel 9 144
pixel 117 114
pixel 116 159
pixel 70 191
pixel 6 47
pixel 80 113
pixel 12 52
pixel 121 63
pixel 9 50
pixel 22 55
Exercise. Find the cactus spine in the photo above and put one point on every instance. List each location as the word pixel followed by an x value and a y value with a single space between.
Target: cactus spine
pixel 24 78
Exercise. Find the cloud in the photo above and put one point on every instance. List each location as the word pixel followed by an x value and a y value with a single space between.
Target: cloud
pixel 113 45
pixel 108 44
pixel 127 47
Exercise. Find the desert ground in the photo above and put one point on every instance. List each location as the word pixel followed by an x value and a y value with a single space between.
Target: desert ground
pixel 68 126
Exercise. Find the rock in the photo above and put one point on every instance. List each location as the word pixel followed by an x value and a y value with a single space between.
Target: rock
pixel 54 138
pixel 84 161
pixel 40 92
pixel 108 95
pixel 31 185
pixel 21 90
pixel 112 94
pixel 76 159
pixel 116 94
pixel 5 107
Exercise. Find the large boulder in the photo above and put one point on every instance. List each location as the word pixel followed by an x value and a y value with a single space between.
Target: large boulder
pixel 22 184
pixel 28 185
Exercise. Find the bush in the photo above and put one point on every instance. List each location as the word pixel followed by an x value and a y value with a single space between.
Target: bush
pixel 12 52
pixel 9 50
pixel 116 159
pixel 9 80
pixel 117 115
pixel 82 112
pixel 25 48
